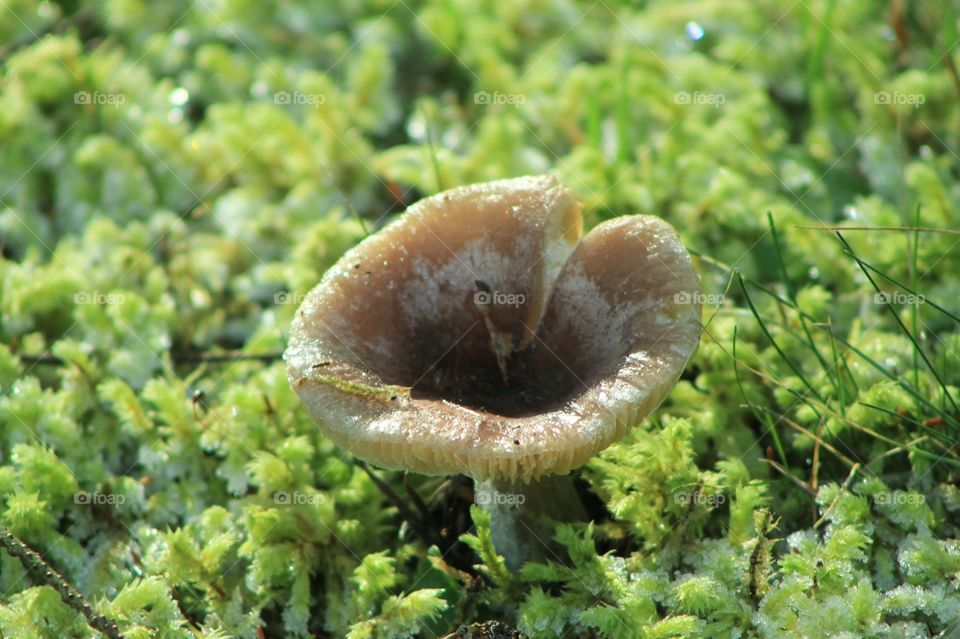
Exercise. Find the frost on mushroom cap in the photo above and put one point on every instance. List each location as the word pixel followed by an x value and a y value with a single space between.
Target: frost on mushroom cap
pixel 394 353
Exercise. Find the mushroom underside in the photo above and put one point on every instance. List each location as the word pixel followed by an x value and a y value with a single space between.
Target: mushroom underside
pixel 494 329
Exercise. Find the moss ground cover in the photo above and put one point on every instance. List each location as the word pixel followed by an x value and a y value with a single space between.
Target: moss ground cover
pixel 175 176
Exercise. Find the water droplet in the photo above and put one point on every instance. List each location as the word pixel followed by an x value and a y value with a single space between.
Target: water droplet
pixel 813 273
pixel 694 30
pixel 181 37
pixel 851 212
pixel 258 89
pixel 179 96
pixel 452 138
pixel 417 129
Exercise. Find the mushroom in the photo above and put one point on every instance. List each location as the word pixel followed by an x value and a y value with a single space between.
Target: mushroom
pixel 481 333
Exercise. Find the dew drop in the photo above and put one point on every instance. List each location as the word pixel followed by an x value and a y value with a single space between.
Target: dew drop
pixel 181 37
pixel 417 129
pixel 694 30
pixel 258 89
pixel 179 96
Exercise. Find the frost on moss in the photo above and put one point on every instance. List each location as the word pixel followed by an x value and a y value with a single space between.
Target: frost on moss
pixel 749 586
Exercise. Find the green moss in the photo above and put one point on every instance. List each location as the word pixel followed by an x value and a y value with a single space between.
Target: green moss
pixel 174 177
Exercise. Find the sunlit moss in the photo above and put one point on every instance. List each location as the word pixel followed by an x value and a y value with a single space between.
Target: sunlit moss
pixel 175 176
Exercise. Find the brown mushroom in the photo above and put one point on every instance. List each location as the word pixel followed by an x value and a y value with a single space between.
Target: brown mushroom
pixel 480 334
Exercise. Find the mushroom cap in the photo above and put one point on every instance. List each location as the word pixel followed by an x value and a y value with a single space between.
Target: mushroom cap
pixel 479 333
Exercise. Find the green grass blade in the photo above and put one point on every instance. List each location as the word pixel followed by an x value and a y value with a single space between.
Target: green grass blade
pixel 906 331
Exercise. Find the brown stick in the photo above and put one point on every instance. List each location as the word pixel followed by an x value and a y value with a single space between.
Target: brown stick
pixel 41 570
pixel 48 358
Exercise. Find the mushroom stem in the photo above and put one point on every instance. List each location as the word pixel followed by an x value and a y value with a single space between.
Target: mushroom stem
pixel 520 514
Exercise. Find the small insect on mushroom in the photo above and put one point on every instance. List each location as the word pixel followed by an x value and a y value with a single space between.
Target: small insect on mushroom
pixel 380 393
